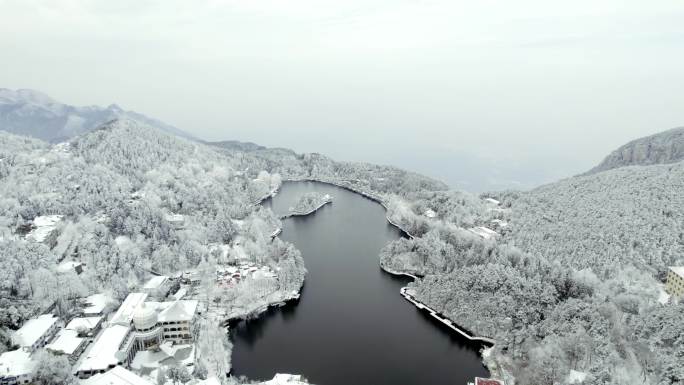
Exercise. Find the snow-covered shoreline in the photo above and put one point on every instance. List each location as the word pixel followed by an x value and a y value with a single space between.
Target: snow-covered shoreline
pixel 275 299
pixel 368 195
pixel 326 199
pixel 488 360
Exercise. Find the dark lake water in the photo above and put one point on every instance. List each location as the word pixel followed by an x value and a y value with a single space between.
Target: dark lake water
pixel 351 325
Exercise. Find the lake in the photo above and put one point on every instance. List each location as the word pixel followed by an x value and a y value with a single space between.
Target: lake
pixel 351 325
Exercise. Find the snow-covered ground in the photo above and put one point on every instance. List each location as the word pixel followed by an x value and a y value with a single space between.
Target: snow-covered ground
pixel 43 227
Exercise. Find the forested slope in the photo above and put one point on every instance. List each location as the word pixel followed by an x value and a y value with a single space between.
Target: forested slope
pixel 118 189
pixel 571 284
pixel 604 221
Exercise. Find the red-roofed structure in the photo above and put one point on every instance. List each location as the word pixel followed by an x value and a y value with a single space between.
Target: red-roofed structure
pixel 487 381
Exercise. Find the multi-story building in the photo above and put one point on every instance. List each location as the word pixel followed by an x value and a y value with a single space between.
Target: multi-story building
pixel 137 326
pixel 112 348
pixel 36 332
pixel 68 343
pixel 675 281
pixel 158 286
pixel 177 319
pixel 85 326
pixel 16 367
pixel 116 376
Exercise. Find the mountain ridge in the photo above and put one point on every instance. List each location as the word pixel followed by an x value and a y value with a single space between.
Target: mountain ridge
pixel 33 113
pixel 660 148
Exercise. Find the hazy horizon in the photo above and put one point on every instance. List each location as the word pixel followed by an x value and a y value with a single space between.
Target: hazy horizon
pixel 481 95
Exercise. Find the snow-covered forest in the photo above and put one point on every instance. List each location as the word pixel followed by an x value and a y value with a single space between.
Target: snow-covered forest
pixel 573 281
pixel 569 286
pixel 127 200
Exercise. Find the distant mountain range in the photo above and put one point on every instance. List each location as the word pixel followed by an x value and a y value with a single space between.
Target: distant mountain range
pixel 32 113
pixel 662 148
pixel 235 145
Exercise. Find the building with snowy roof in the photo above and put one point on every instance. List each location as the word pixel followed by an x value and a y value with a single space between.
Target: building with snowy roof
pixel 124 315
pixel 85 326
pixel 45 229
pixel 69 267
pixel 67 343
pixel 137 326
pixel 112 347
pixel 675 281
pixel 483 232
pixel 116 376
pixel 176 321
pixel 95 305
pixel 16 367
pixel 36 332
pixel 492 201
pixel 158 286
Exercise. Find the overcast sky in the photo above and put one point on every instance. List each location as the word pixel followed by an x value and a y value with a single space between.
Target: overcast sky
pixel 482 94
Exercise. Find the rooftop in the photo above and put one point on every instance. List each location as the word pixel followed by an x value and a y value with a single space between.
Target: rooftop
pixel 483 232
pixel 487 381
pixel 96 304
pixel 87 323
pixel 179 311
pixel 16 363
pixel 67 342
pixel 124 315
pixel 44 226
pixel 68 266
pixel 116 376
pixel 102 352
pixel 156 282
pixel 286 379
pixel 33 329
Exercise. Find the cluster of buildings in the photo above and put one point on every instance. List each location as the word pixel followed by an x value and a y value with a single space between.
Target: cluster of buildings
pixel 228 276
pixel 136 326
pixel 102 348
pixel 45 332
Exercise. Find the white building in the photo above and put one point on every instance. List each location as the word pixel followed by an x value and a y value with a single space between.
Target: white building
pixel 116 376
pixel 137 326
pixel 675 281
pixel 44 229
pixel 86 326
pixel 110 349
pixel 16 367
pixel 177 221
pixel 36 332
pixel 157 286
pixel 95 305
pixel 430 213
pixel 124 316
pixel 177 319
pixel 67 343
pixel 483 232
pixel 492 201
pixel 70 266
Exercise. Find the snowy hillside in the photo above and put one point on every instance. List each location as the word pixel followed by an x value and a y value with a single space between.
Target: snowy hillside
pixel 664 147
pixel 570 282
pixel 31 113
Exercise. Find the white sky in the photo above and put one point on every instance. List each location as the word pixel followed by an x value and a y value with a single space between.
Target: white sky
pixel 482 94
